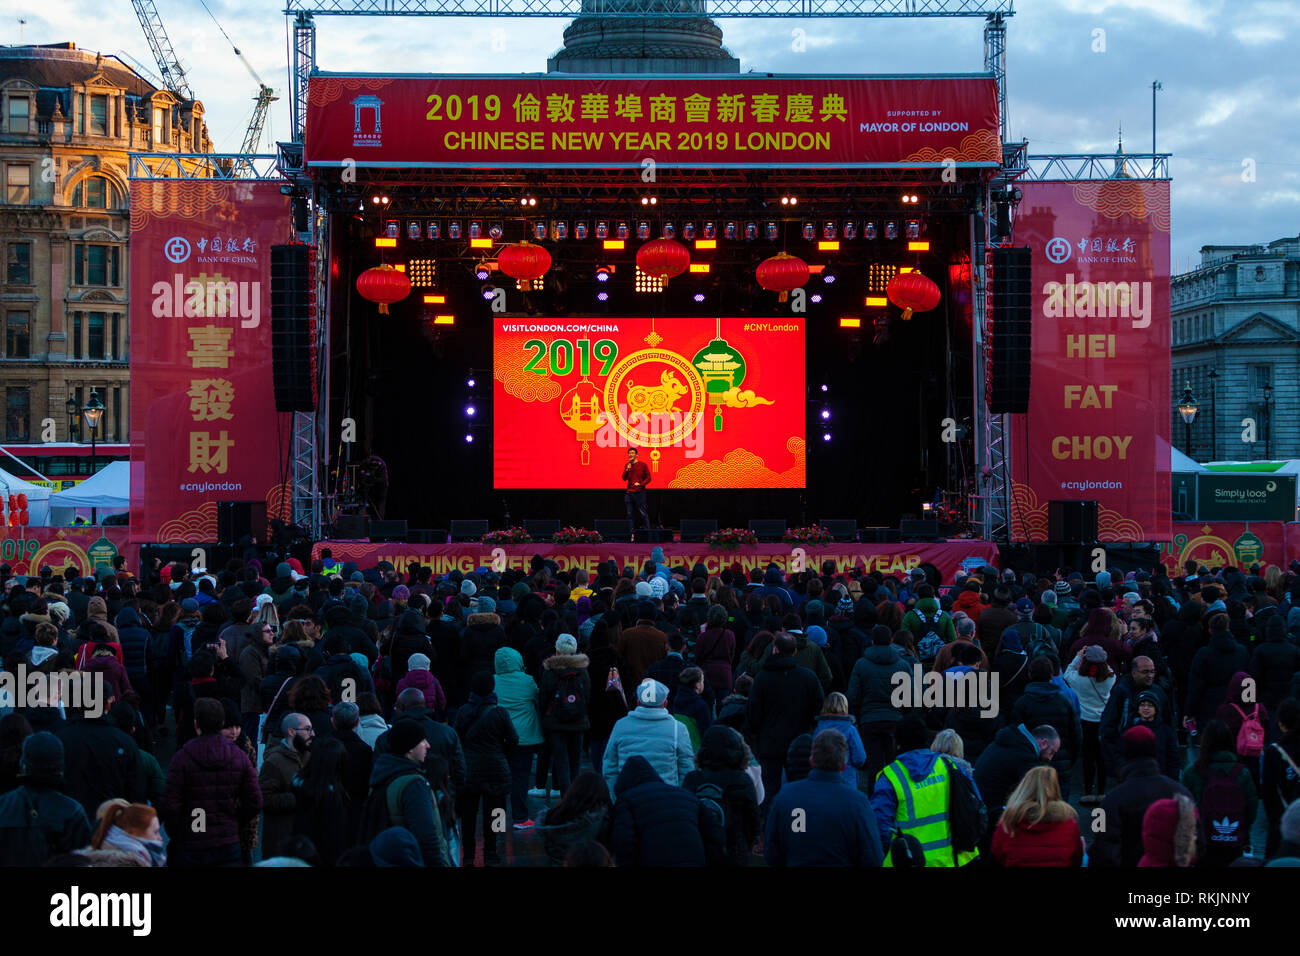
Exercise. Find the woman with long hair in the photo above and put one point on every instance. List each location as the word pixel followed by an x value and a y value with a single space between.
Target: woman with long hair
pixel 758 645
pixel 321 808
pixel 890 614
pixel 254 662
pixel 1038 828
pixel 267 614
pixel 1217 760
pixel 583 813
pixel 714 651
pixel 311 698
pixel 1090 677
pixel 130 828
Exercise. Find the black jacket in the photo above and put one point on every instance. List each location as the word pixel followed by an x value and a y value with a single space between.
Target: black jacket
pixel 37 822
pixel 1003 764
pixel 479 642
pixel 340 668
pixel 1119 843
pixel 1211 671
pixel 444 764
pixel 489 738
pixel 416 806
pixel 740 801
pixel 1120 714
pixel 554 671
pixel 1273 665
pixel 783 704
pixel 134 641
pixel 1044 703
pixel 656 824
pixel 871 685
pixel 100 763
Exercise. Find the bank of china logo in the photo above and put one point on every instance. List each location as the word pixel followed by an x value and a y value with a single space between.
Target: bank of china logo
pixel 1271 487
pixel 1225 829
pixel 1058 250
pixel 177 249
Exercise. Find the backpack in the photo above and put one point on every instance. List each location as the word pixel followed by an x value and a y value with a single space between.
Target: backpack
pixel 568 705
pixel 692 728
pixel 931 642
pixel 967 816
pixel 1040 644
pixel 1250 737
pixel 1224 806
pixel 715 803
pixel 383 808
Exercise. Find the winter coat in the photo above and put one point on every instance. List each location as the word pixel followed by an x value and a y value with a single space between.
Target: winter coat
pixel 1234 716
pixel 417 810
pixel 843 725
pixel 1039 844
pixel 651 733
pixel 280 764
pixel 740 806
pixel 639 647
pixel 252 666
pixel 134 640
pixel 100 763
pixel 37 822
pixel 1141 784
pixel 1273 665
pixel 489 738
pixel 1117 655
pixel 990 624
pixel 608 705
pixel 517 692
pixel 212 774
pixel 408 642
pixel 1210 673
pixel 339 669
pixel 1120 714
pixel 784 703
pixel 1043 703
pixel 976 731
pixel 1004 763
pixel 658 824
pixel 1012 670
pixel 841 829
pixel 1223 763
pixel 806 654
pixel 1093 694
pixel 97 610
pixel 715 649
pixel 560 837
pixel 1163 845
pixel 444 764
pixel 1279 783
pixel 427 684
pixel 553 683
pixel 116 680
pixel 329 824
pixel 479 642
pixel 970 602
pixel 871 685
pixel 943 626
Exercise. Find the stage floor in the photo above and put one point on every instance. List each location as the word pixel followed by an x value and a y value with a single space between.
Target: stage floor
pixel 898 558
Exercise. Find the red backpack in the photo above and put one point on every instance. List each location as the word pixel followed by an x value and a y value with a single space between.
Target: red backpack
pixel 1250 738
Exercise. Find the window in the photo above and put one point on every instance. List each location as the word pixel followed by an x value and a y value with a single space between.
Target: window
pixel 20 263
pixel 99 115
pixel 18 413
pixel 96 265
pixel 161 125
pixel 113 352
pixel 76 337
pixel 18 340
pixel 20 111
pixel 117 414
pixel 1263 376
pixel 81 113
pixel 93 193
pixel 95 336
pixel 18 183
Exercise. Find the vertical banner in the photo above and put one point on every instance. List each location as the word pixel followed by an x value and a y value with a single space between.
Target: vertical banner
pixel 203 421
pixel 1098 421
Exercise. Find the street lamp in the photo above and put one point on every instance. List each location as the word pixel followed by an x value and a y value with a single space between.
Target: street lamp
pixel 1188 408
pixel 93 411
pixel 1268 418
pixel 71 407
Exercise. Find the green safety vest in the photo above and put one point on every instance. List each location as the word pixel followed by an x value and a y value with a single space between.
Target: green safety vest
pixel 923 813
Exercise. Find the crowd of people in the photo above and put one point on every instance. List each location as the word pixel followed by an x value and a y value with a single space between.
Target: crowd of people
pixel 329 715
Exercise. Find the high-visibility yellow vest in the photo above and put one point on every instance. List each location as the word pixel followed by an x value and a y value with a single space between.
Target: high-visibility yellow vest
pixel 923 813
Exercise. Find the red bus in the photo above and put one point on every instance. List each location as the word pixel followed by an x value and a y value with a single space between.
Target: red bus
pixel 59 465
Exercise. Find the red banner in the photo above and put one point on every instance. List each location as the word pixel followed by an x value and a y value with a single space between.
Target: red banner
pixel 711 403
pixel 1219 544
pixel 27 550
pixel 203 420
pixel 949 557
pixel 1098 421
pixel 702 121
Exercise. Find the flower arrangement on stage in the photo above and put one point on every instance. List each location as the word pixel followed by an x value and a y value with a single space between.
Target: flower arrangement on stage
pixel 813 534
pixel 515 535
pixel 576 536
pixel 729 539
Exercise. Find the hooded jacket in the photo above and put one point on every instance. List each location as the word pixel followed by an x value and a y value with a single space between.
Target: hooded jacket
pixel 1169 834
pixel 1141 784
pixel 101 762
pixel 1233 716
pixel 1044 703
pixel 97 610
pixel 871 685
pixel 212 774
pixel 657 824
pixel 930 608
pixel 417 811
pixel 479 642
pixel 654 735
pixel 134 640
pixel 553 670
pixel 784 703
pixel 1004 763
pixel 427 684
pixel 38 822
pixel 560 837
pixel 1273 664
pixel 517 692
pixel 409 639
pixel 1223 763
pixel 1211 672
pixel 918 765
pixel 488 737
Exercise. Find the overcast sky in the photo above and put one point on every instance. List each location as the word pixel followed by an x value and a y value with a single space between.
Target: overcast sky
pixel 1231 90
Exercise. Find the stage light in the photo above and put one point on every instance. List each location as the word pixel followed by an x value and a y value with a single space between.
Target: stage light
pixel 876 302
pixel 579 231
pixel 496 231
pixel 482 272
pixel 730 231
pixel 649 200
pixel 470 410
pixel 826 436
pixel 643 229
pixel 602 296
pixel 891 229
pixel 489 292
pixel 413 229
pixel 706 243
pixel 432 229
pixel 602 273
pixel 382 243
pixel 850 229
pixel 826 414
pixel 825 387
pixel 789 200
pixel 475 229
pixel 913 229
pixel 392 228
pixel 815 298
pixel 539 231
pixel 829 229
pixel 670 231
pixel 623 230
pixel 469 382
pixel 751 231
pixel 528 199
pixel 379 200
pixel 615 244
pixel 910 199
pixel 647 283
pixel 772 230
pixel 710 231
pixel 421 272
pixel 850 322
pixel 602 228
pixel 453 229
pixel 922 245
pixel 869 230
pixel 809 231
pixel 699 267
pixel 828 277
pixel 435 300
pixel 699 297
pixel 469 437
pixel 688 231
pixel 927 505
pixel 482 243
pixel 828 245
pixel 560 230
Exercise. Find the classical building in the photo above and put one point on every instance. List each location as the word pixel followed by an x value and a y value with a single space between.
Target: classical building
pixel 649 44
pixel 1236 345
pixel 69 119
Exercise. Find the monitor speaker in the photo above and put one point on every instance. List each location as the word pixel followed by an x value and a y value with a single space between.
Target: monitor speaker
pixel 292 377
pixel 468 529
pixel 767 529
pixel 1011 335
pixel 694 529
pixel 237 520
pixel 390 530
pixel 352 527
pixel 1071 522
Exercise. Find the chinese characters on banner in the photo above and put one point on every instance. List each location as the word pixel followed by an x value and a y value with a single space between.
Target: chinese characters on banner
pixel 1098 421
pixel 203 426
pixel 706 121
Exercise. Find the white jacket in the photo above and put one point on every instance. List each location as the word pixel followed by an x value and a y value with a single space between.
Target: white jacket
pixel 1093 694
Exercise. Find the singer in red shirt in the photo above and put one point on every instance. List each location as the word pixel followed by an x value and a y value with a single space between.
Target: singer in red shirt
pixel 637 475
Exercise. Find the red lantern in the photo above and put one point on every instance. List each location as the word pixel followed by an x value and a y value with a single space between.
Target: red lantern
pixel 781 273
pixel 525 262
pixel 383 284
pixel 22 502
pixel 663 259
pixel 22 518
pixel 912 292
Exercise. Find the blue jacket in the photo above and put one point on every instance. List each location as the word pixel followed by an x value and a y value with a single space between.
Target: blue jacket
pixel 1068 691
pixel 919 764
pixel 857 753
pixel 517 692
pixel 819 821
pixel 652 733
pixel 660 825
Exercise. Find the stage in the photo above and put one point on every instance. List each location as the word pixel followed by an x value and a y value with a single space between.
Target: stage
pixel 897 559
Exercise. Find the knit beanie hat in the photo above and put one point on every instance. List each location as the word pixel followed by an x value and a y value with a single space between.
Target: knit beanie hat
pixel 817 634
pixel 405 736
pixel 42 755
pixel 518 592
pixel 1061 587
pixel 417 662
pixel 468 588
pixel 643 589
pixel 401 593
pixel 1138 742
pixel 485 605
pixel 659 586
pixel 566 644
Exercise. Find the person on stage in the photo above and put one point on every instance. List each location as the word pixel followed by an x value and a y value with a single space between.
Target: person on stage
pixel 637 475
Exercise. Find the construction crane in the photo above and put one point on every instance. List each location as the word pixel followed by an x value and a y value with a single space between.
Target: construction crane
pixel 169 67
pixel 265 97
